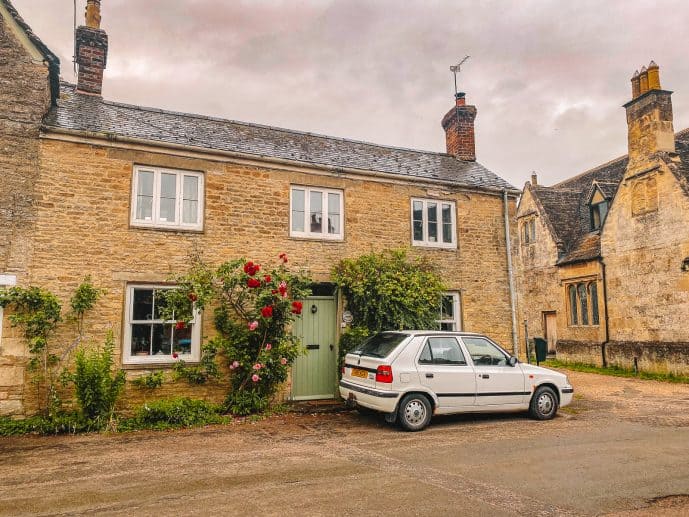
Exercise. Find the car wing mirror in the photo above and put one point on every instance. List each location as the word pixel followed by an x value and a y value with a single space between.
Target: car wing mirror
pixel 512 361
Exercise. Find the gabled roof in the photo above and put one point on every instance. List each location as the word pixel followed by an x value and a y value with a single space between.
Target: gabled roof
pixel 52 60
pixel 565 205
pixel 93 115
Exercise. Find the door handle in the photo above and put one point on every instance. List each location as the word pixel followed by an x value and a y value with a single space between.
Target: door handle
pixel 313 347
pixel 429 376
pixel 484 376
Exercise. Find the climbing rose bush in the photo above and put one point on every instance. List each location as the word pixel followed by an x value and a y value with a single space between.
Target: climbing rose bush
pixel 253 311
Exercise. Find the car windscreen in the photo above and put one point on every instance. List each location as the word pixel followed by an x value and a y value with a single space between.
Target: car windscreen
pixel 380 345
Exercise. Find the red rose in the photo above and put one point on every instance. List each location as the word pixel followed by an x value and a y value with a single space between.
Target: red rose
pixel 175 355
pixel 253 283
pixel 193 297
pixel 267 279
pixel 180 325
pixel 267 311
pixel 297 307
pixel 273 291
pixel 251 269
pixel 283 257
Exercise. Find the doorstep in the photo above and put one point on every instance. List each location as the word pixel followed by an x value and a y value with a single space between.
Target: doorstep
pixel 317 406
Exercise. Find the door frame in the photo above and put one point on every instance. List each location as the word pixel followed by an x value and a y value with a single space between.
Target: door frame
pixel 545 315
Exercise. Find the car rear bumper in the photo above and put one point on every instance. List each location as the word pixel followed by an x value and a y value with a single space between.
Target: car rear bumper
pixel 379 400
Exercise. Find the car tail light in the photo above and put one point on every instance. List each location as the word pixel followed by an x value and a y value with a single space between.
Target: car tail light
pixel 384 373
pixel 343 371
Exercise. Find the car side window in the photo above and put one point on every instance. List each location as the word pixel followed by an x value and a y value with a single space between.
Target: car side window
pixel 442 350
pixel 484 353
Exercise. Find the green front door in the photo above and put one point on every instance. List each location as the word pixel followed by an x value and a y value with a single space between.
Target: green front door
pixel 314 374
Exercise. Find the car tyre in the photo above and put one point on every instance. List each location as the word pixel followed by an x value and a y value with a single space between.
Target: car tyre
pixel 543 404
pixel 414 412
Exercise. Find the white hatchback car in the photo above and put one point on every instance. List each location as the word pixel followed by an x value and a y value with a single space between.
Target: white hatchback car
pixel 411 375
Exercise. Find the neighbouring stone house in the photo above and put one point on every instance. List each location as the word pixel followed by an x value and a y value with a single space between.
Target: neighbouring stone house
pixel 125 193
pixel 604 256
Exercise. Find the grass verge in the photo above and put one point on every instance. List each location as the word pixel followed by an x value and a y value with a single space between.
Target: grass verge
pixel 617 371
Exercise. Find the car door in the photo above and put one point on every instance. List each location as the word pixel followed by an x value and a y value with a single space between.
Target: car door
pixel 444 369
pixel 497 383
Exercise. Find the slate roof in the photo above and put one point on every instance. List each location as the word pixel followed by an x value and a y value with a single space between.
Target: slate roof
pixel 87 113
pixel 565 205
pixel 52 60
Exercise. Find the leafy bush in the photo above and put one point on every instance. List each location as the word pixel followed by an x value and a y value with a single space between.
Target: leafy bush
pixel 174 413
pixel 97 388
pixel 204 371
pixel 349 340
pixel 149 382
pixel 62 423
pixel 386 291
pixel 253 311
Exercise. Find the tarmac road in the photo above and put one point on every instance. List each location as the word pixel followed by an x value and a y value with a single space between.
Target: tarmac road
pixel 621 448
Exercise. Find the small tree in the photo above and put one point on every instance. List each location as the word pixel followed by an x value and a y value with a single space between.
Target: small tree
pixel 253 311
pixel 387 291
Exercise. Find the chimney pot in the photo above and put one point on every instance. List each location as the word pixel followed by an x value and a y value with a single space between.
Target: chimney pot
pixel 653 76
pixel 636 88
pixel 534 179
pixel 643 80
pixel 460 99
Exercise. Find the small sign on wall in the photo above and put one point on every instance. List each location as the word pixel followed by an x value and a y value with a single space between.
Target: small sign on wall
pixel 8 280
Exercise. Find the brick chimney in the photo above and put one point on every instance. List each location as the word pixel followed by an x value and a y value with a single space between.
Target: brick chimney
pixel 649 117
pixel 91 51
pixel 458 124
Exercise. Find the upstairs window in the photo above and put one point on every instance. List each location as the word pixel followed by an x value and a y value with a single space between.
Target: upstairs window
pixel 450 312
pixel 529 231
pixel 316 213
pixel 434 223
pixel 598 213
pixel 166 198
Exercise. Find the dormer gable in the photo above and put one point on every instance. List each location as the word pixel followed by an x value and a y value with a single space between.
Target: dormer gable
pixel 598 204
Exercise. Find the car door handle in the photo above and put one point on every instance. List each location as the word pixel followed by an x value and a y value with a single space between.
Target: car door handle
pixel 429 376
pixel 484 376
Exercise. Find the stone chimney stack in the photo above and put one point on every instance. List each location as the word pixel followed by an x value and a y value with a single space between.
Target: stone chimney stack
pixel 458 124
pixel 91 50
pixel 649 117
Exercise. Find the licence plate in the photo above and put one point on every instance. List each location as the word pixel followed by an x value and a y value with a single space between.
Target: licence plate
pixel 356 372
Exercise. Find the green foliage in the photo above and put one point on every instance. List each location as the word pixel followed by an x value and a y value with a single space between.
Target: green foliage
pixel 84 299
pixel 349 340
pixel 62 423
pixel 386 291
pixel 617 371
pixel 253 310
pixel 150 382
pixel 97 387
pixel 204 371
pixel 174 413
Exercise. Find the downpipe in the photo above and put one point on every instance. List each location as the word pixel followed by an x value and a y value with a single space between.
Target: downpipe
pixel 510 276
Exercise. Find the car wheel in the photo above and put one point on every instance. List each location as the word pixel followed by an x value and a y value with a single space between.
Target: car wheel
pixel 414 412
pixel 543 404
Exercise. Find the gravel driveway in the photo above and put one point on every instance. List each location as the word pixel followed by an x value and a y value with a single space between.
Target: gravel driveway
pixel 621 448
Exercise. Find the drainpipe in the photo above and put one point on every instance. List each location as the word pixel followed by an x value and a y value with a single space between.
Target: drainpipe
pixel 605 314
pixel 510 276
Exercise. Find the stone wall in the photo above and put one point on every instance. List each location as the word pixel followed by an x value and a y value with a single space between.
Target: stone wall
pixel 24 99
pixel 663 357
pixel 82 227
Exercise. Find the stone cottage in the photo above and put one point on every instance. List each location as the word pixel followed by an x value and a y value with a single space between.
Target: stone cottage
pixel 124 193
pixel 604 256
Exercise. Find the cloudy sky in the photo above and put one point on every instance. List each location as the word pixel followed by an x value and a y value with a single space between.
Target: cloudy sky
pixel 548 77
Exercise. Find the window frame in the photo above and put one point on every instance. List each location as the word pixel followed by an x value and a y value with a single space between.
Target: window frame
pixel 424 222
pixel 128 358
pixel 506 356
pixel 575 304
pixel 456 307
pixel 155 221
pixel 307 233
pixel 427 343
pixel 528 234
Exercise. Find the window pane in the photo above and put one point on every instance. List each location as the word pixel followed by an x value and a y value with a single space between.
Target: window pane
pixel 447 223
pixel 447 309
pixel 446 350
pixel 316 211
pixel 181 342
pixel 333 213
pixel 162 335
pixel 484 353
pixel 447 326
pixel 141 340
pixel 190 200
pixel 298 210
pixel 168 197
pixel 432 222
pixel 144 197
pixel 581 289
pixel 417 216
pixel 593 291
pixel 573 305
pixel 425 357
pixel 142 305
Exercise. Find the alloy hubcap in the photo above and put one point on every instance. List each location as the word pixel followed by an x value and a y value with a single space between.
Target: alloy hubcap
pixel 415 412
pixel 545 403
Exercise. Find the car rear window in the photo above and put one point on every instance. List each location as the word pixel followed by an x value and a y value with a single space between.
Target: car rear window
pixel 380 345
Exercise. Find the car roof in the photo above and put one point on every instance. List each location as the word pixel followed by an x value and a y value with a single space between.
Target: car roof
pixel 435 333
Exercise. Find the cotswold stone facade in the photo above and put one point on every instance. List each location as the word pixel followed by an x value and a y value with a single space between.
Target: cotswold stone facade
pixel 238 188
pixel 607 267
